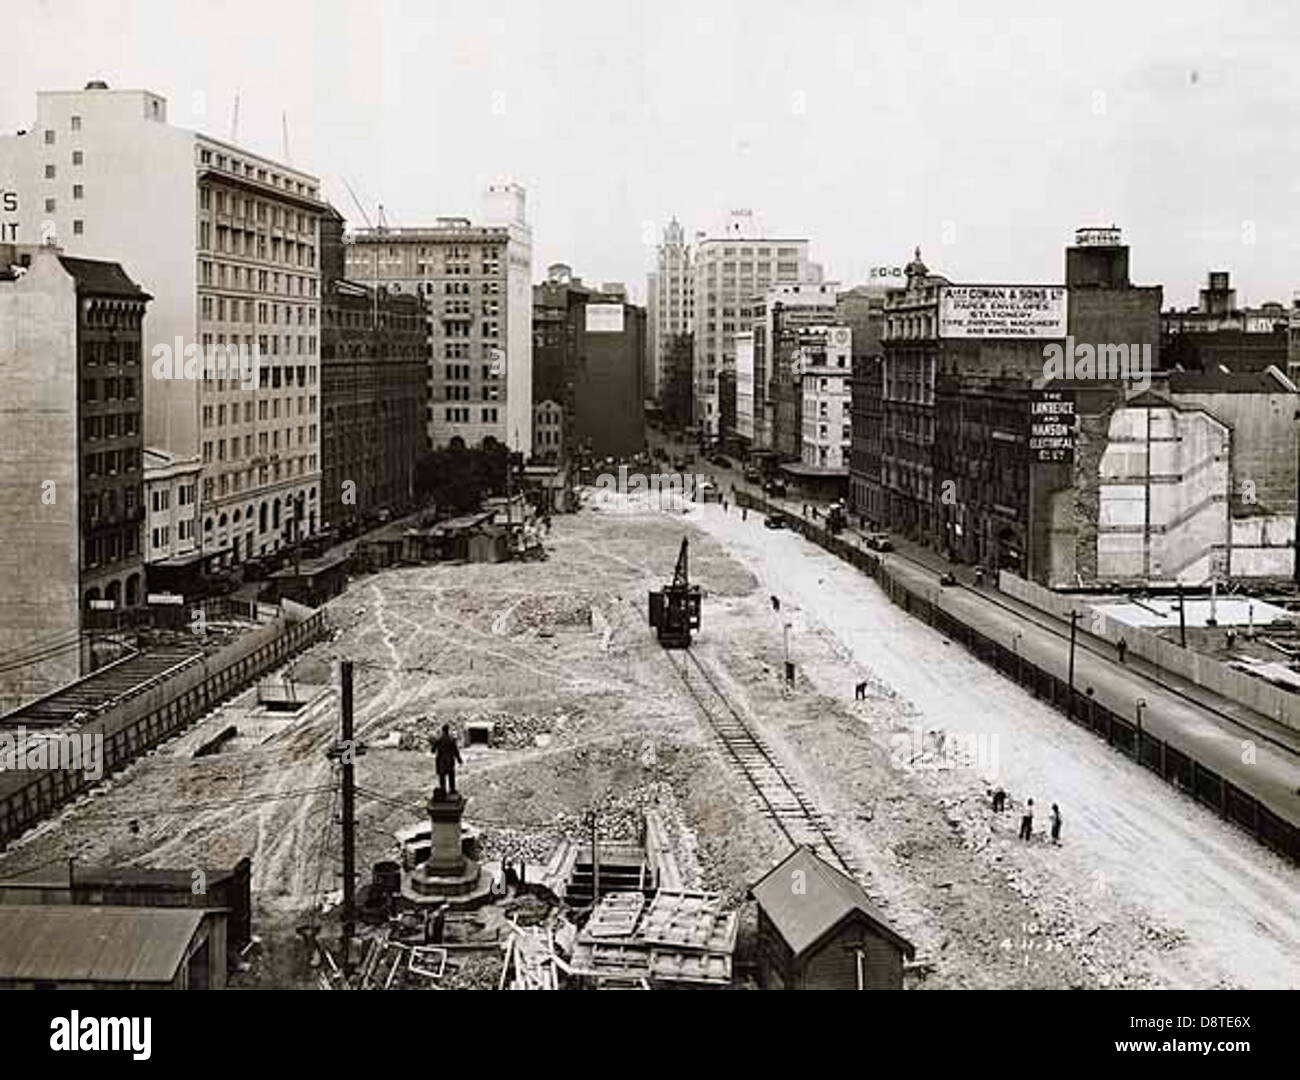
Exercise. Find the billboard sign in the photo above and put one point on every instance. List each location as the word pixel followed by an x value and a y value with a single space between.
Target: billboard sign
pixel 1002 311
pixel 1051 426
pixel 604 318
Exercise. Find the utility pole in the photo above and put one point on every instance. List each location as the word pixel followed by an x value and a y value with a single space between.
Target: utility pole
pixel 346 751
pixel 1182 618
pixel 595 860
pixel 1074 625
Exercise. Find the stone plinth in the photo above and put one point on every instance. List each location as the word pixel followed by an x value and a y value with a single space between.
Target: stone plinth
pixel 448 875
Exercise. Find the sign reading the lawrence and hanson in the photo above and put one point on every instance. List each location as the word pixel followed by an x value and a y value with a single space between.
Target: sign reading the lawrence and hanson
pixel 1002 311
pixel 1051 426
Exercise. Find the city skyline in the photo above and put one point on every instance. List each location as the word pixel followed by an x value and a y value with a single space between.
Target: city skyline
pixel 841 127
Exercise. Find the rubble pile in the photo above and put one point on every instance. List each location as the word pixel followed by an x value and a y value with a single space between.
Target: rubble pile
pixel 511 731
pixel 550 611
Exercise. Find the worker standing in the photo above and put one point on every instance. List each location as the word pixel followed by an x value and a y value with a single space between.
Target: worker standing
pixel 1121 647
pixel 1027 821
pixel 1056 824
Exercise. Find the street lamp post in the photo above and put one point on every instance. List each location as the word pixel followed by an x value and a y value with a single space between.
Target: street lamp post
pixel 1015 648
pixel 1140 704
pixel 1074 625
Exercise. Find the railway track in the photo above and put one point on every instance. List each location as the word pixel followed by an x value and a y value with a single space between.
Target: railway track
pixel 778 795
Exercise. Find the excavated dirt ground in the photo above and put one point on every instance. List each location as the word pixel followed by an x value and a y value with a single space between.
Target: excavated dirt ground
pixel 590 714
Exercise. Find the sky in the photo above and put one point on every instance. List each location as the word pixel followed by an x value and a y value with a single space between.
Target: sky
pixel 984 133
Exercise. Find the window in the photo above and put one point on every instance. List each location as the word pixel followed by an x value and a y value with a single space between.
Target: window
pixel 49 206
pixel 77 157
pixel 49 137
pixel 78 226
pixel 49 172
pixel 76 123
pixel 78 191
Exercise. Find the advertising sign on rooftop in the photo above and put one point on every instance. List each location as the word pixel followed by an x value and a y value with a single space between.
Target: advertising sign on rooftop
pixel 604 318
pixel 1002 311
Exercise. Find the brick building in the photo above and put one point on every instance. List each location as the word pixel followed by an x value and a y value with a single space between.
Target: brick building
pixel 955 463
pixel 71 459
pixel 374 389
pixel 589 357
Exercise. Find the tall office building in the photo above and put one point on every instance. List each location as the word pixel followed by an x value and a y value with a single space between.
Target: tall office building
pixel 670 291
pixel 728 271
pixel 477 288
pixel 226 241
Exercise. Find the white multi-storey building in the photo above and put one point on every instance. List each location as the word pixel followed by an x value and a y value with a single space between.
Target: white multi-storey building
pixel 671 299
pixel 476 281
pixel 226 241
pixel 824 365
pixel 171 495
pixel 728 271
pixel 779 308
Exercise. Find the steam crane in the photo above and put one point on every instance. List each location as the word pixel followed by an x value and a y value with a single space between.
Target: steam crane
pixel 675 609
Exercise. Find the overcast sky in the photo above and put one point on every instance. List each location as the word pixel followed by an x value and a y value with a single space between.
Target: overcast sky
pixel 866 127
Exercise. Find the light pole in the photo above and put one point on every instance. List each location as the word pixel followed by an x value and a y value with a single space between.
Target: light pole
pixel 1140 704
pixel 789 668
pixel 1015 648
pixel 1074 626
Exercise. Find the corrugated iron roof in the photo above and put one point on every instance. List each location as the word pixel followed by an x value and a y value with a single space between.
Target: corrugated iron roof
pixel 69 943
pixel 804 909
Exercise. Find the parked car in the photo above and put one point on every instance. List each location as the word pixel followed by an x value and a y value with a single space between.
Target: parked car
pixel 774 521
pixel 721 461
pixel 879 542
pixel 752 475
pixel 775 487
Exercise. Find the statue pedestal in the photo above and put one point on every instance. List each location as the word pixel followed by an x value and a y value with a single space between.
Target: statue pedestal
pixel 448 876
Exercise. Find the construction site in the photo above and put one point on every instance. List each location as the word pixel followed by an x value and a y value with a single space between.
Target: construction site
pixel 639 777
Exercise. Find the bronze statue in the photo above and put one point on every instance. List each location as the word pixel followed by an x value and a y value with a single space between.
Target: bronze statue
pixel 446 757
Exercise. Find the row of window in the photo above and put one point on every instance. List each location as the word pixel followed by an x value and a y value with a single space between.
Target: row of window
pixel 254 245
pixel 231 276
pixel 235 205
pixel 305 432
pixel 109 547
pixel 459 415
pixel 99 504
pixel 236 481
pixel 112 462
pixel 113 388
pixel 266 410
pixel 112 426
pixel 249 171
pixel 217 307
pixel 162 534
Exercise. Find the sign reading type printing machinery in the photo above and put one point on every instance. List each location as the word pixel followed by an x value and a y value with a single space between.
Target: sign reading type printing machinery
pixel 1051 426
pixel 604 318
pixel 1002 311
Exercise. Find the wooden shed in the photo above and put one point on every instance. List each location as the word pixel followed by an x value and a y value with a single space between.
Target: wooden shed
pixel 817 930
pixel 75 947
